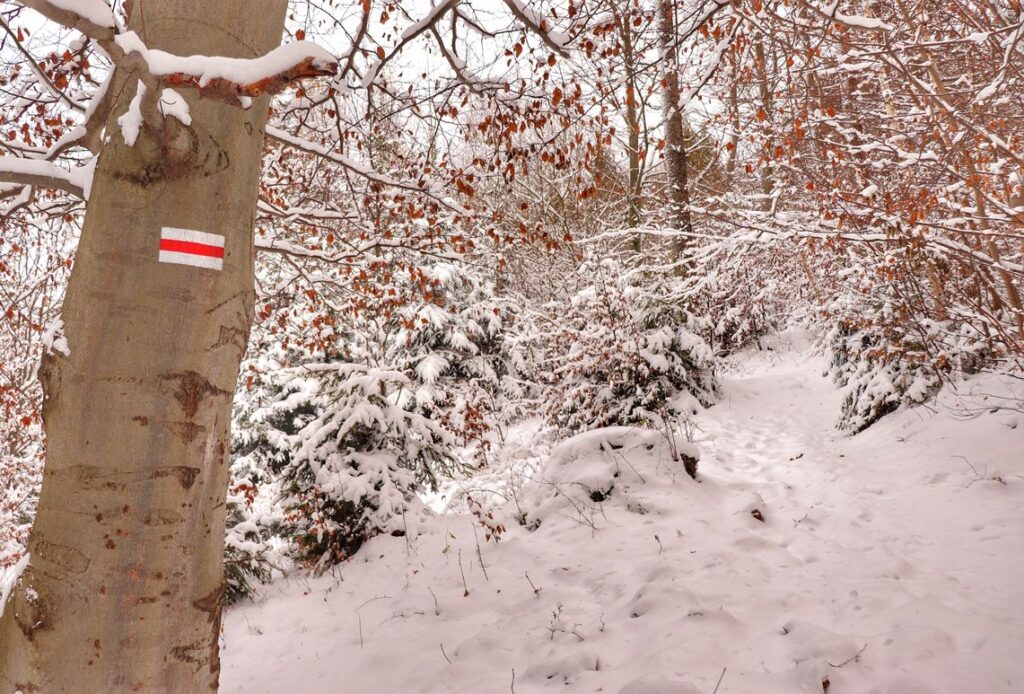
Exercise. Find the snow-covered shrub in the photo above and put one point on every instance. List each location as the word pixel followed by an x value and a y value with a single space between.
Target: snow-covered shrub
pixel 874 383
pixel 891 338
pixel 347 414
pixel 881 368
pixel 621 356
pixel 253 548
pixel 456 352
pixel 355 457
pixel 741 289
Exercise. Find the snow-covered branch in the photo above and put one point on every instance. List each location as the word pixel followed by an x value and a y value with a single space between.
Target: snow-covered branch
pixel 91 17
pixel 230 78
pixel 45 174
pixel 555 40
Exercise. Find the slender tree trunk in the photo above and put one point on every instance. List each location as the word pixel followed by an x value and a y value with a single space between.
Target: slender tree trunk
pixel 124 586
pixel 767 173
pixel 676 165
pixel 734 136
pixel 633 127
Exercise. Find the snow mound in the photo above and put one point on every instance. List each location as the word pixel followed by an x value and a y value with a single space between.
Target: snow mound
pixel 612 464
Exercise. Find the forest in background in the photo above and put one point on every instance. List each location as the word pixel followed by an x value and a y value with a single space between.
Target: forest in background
pixel 494 212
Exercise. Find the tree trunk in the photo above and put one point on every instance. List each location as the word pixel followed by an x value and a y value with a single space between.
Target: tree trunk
pixel 676 165
pixel 123 589
pixel 633 126
pixel 734 136
pixel 767 173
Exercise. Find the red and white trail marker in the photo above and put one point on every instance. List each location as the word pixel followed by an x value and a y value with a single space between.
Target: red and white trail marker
pixel 189 247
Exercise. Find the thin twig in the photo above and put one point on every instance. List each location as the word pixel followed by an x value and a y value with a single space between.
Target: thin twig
pixel 855 656
pixel 536 590
pixel 720 678
pixel 465 586
pixel 479 554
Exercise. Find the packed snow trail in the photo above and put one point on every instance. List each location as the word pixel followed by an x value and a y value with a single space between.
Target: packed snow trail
pixel 885 563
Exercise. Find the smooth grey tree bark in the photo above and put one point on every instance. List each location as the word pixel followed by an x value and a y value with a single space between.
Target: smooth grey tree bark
pixel 123 590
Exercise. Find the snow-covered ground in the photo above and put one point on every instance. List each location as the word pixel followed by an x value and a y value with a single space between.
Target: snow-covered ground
pixel 891 562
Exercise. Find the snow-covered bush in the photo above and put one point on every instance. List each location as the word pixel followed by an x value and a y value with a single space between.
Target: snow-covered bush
pixel 456 352
pixel 254 552
pixel 741 289
pixel 355 457
pixel 892 338
pixel 874 383
pixel 619 355
pixel 881 368
pixel 347 414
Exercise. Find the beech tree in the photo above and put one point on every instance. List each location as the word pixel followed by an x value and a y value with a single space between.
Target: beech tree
pixel 123 584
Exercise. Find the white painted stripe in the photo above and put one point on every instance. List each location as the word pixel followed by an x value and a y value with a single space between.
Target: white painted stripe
pixel 192 236
pixel 192 259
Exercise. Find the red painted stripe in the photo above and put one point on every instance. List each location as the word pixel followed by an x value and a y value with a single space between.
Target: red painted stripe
pixel 193 248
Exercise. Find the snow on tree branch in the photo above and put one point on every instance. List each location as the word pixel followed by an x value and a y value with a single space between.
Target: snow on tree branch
pixel 853 21
pixel 221 77
pixel 38 172
pixel 555 40
pixel 91 17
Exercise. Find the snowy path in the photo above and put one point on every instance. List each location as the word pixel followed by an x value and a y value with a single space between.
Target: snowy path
pixel 884 564
pixel 893 533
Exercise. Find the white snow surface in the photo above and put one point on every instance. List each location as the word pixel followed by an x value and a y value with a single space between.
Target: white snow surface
pixel 9 579
pixel 54 339
pixel 173 104
pixel 96 11
pixel 131 120
pixel 889 563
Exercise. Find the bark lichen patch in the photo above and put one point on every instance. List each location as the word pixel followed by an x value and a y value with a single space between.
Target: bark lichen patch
pixel 50 378
pixel 28 613
pixel 93 477
pixel 161 517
